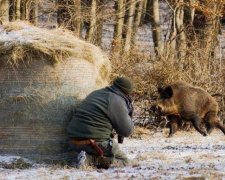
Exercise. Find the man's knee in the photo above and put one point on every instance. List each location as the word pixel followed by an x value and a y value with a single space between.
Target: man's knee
pixel 113 156
pixel 119 157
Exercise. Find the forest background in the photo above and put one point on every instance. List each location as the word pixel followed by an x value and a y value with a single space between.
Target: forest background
pixel 152 42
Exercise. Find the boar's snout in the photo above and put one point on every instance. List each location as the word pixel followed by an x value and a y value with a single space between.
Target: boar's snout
pixel 153 108
pixel 156 109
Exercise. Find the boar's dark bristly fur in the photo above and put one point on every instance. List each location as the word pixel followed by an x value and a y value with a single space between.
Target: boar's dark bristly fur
pixel 181 100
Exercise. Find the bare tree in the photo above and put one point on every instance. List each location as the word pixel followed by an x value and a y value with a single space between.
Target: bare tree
pixel 23 10
pixel 17 9
pixel 129 24
pixel 147 13
pixel 100 21
pixel 181 37
pixel 156 29
pixel 144 11
pixel 138 13
pixel 118 28
pixel 202 25
pixel 69 15
pixel 90 36
pixel 64 13
pixel 137 18
pixel 4 11
pixel 34 12
pixel 177 39
pixel 77 18
pixel 194 24
pixel 12 10
pixel 210 27
pixel 189 14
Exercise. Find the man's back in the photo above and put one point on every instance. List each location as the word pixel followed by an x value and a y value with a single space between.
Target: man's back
pixel 91 119
pixel 100 112
pixel 91 126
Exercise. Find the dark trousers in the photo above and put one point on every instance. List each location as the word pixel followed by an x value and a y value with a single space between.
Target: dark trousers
pixel 111 152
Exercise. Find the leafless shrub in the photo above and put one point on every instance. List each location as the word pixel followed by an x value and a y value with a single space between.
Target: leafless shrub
pixel 16 164
pixel 149 73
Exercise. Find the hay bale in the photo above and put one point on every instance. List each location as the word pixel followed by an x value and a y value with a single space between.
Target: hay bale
pixel 43 75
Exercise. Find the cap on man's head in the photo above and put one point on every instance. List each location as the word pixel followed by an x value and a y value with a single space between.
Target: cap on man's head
pixel 123 84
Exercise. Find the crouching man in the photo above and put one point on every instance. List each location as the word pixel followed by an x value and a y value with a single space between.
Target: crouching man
pixel 90 129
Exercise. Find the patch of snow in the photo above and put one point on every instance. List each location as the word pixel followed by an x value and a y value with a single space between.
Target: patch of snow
pixel 187 155
pixel 8 159
pixel 17 35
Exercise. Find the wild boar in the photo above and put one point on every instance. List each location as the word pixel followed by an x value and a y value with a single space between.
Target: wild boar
pixel 181 100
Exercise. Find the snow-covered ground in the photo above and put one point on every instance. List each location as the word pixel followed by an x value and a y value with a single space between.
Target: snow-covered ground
pixel 187 155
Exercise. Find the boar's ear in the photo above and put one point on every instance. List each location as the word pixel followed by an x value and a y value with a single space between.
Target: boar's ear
pixel 160 90
pixel 168 91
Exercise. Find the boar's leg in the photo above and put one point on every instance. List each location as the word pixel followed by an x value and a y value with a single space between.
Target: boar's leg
pixel 173 128
pixel 196 120
pixel 186 126
pixel 220 126
pixel 208 119
pixel 213 121
pixel 209 127
pixel 172 124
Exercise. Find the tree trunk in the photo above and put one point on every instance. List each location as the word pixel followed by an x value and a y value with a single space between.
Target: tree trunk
pixel 92 24
pixel 156 29
pixel 181 37
pixel 77 22
pixel 12 10
pixel 118 28
pixel 210 29
pixel 137 19
pixel 144 11
pixel 68 15
pixel 100 21
pixel 206 27
pixel 189 14
pixel 34 12
pixel 138 13
pixel 17 8
pixel 148 16
pixel 28 6
pixel 23 10
pixel 99 30
pixel 129 25
pixel 171 44
pixel 63 15
pixel 4 11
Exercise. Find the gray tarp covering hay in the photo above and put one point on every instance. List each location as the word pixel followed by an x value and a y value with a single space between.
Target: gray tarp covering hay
pixel 43 74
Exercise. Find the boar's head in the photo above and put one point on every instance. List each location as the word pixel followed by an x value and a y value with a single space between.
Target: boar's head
pixel 165 104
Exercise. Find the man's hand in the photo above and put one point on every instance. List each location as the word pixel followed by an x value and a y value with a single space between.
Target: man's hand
pixel 131 113
pixel 120 139
pixel 130 106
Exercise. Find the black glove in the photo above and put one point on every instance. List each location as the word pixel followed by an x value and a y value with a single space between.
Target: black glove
pixel 113 134
pixel 120 139
pixel 130 106
pixel 130 113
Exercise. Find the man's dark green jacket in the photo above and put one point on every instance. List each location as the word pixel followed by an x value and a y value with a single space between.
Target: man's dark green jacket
pixel 100 113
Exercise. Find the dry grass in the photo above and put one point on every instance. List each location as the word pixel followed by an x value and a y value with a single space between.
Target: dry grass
pixel 140 132
pixel 16 164
pixel 21 41
pixel 150 73
pixel 38 88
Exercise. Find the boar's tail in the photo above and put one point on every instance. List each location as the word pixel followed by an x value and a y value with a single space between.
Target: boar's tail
pixel 217 94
